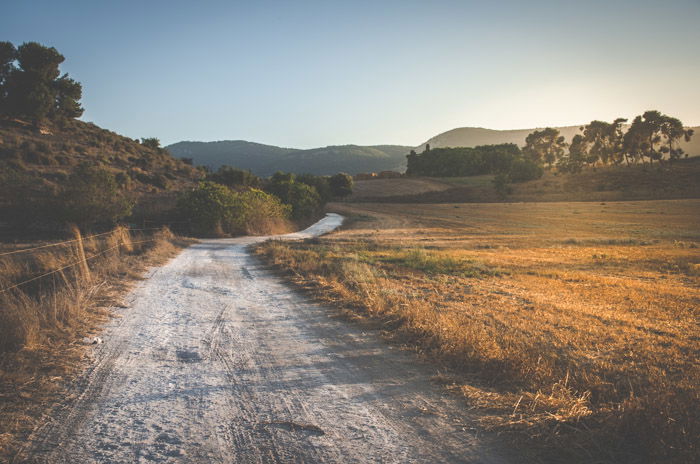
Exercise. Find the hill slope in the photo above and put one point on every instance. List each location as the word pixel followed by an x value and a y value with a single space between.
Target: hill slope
pixel 265 160
pixel 473 136
pixel 51 154
pixel 239 153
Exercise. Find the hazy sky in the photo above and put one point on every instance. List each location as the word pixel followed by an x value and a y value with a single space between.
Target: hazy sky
pixel 305 74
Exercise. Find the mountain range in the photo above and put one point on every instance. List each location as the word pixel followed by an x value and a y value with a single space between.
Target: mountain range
pixel 264 160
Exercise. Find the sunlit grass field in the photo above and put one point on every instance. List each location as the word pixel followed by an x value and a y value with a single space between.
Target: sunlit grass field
pixel 572 326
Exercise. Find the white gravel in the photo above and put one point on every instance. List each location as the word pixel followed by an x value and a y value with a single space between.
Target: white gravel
pixel 216 359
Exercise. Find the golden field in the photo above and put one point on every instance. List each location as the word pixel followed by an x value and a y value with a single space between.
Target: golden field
pixel 571 326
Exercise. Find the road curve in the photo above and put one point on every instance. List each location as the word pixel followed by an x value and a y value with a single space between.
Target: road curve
pixel 216 359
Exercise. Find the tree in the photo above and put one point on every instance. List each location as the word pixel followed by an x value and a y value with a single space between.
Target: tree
pixel 304 199
pixel 578 155
pixel 653 135
pixel 207 208
pixel 672 129
pixel 604 141
pixel 151 142
pixel 34 88
pixel 647 129
pixel 340 184
pixel 634 141
pixel 545 146
pixel 320 183
pixel 67 99
pixel 463 161
pixel 8 54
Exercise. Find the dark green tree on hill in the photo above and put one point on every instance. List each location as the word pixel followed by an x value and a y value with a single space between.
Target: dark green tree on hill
pixel 8 54
pixel 151 142
pixel 32 87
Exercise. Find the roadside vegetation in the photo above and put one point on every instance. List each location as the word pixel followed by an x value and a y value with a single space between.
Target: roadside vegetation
pixel 82 213
pixel 570 326
pixel 54 296
pixel 235 202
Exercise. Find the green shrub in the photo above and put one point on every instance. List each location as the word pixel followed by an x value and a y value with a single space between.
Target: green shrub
pixel 320 183
pixel 304 199
pixel 215 210
pixel 151 142
pixel 255 212
pixel 522 170
pixel 207 208
pixel 233 177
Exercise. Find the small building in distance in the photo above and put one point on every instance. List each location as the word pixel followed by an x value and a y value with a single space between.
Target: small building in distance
pixel 366 176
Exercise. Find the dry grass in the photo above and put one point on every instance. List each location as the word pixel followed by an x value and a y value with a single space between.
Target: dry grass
pixel 572 326
pixel 42 324
pixel 53 156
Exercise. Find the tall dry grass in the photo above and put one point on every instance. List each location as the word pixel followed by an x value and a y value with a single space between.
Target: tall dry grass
pixel 585 346
pixel 43 322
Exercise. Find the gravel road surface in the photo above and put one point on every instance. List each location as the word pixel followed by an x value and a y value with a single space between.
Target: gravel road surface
pixel 216 359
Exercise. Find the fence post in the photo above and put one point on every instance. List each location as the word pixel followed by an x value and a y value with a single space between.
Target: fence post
pixel 80 252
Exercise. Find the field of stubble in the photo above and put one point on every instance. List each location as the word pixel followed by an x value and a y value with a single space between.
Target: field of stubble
pixel 572 327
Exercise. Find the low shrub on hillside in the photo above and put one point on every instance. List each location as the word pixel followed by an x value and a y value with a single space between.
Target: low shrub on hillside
pixel 303 199
pixel 320 183
pixel 87 197
pixel 92 196
pixel 522 170
pixel 233 177
pixel 216 210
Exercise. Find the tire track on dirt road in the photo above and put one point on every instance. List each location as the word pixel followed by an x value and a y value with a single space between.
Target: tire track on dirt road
pixel 216 359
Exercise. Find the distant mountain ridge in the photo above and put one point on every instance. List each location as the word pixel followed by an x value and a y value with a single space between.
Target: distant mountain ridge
pixel 264 160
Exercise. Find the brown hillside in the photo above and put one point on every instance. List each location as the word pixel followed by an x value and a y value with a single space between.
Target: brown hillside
pixel 52 152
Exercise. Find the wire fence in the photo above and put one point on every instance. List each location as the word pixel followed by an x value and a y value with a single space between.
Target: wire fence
pixel 25 250
pixel 82 260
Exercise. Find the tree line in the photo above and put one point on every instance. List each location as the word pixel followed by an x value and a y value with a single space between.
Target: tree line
pixel 505 159
pixel 652 136
pixel 32 86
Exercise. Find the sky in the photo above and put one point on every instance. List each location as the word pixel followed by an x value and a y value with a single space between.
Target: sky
pixel 305 74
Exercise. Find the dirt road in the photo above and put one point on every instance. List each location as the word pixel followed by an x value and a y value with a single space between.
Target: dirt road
pixel 217 360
